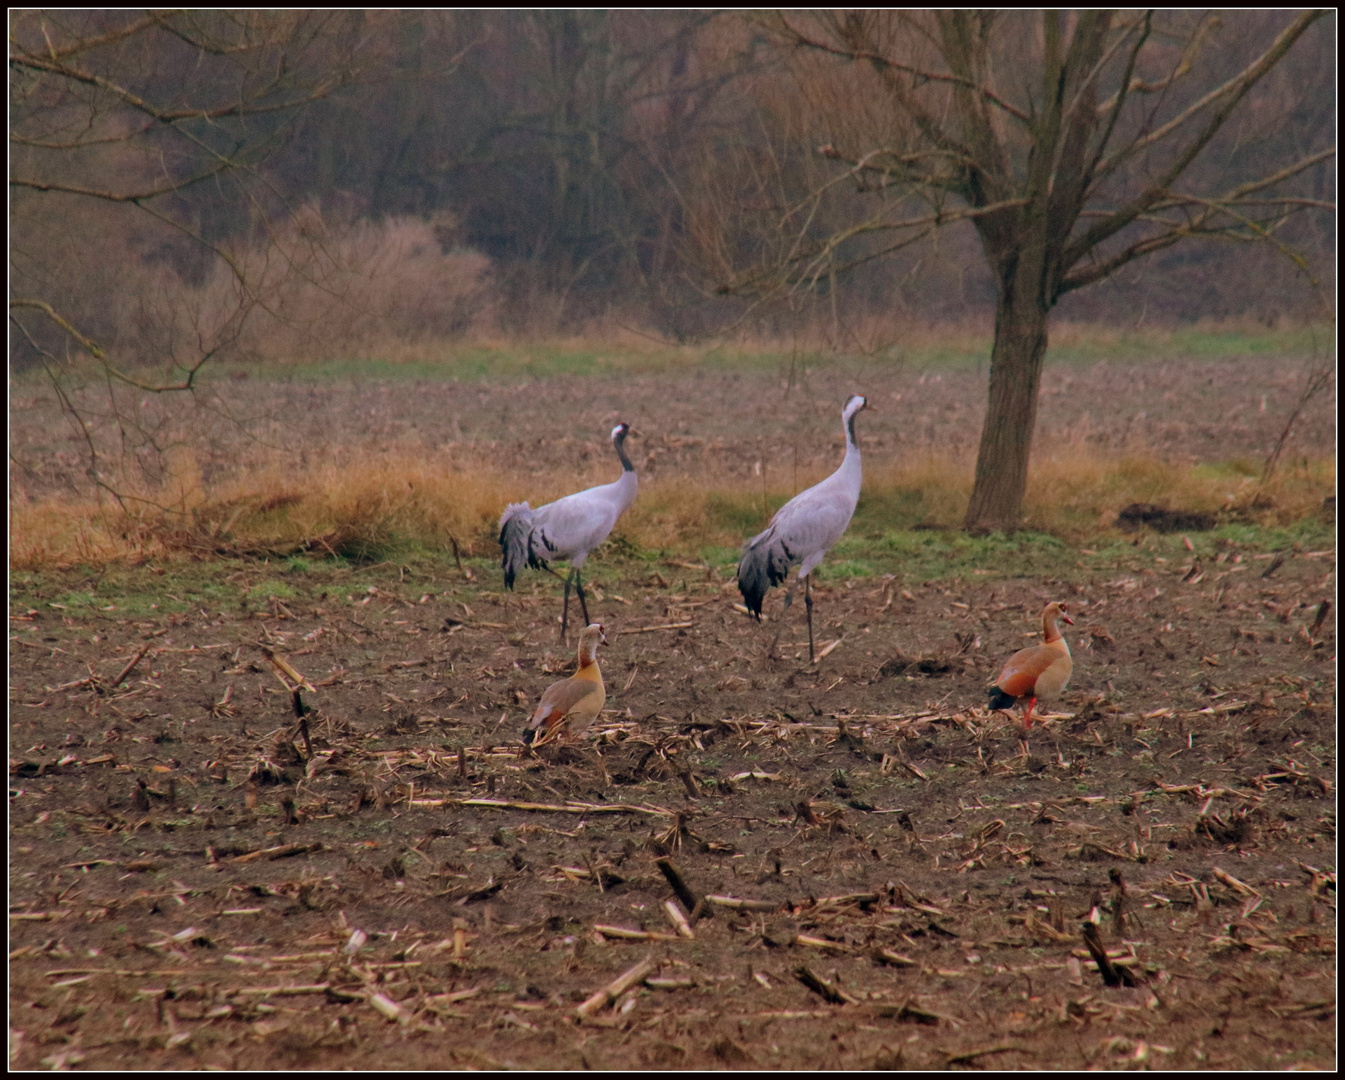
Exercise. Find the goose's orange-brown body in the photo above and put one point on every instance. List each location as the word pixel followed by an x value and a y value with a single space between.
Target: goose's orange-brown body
pixel 1040 671
pixel 576 701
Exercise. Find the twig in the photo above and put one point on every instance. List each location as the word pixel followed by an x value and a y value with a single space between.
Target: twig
pixel 1111 974
pixel 617 987
pixel 623 934
pixel 553 808
pixel 694 904
pixel 282 852
pixel 283 991
pixel 738 904
pixel 651 629
pixel 1233 883
pixel 678 920
pixel 1323 609
pixel 820 986
pixel 128 668
pixel 285 671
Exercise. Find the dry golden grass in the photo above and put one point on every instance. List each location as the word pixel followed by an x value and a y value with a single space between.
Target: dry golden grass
pixel 361 509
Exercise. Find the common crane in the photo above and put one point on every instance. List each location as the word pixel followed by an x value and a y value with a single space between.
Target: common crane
pixel 802 532
pixel 568 528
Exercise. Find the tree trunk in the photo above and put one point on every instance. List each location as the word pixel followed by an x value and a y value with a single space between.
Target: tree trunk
pixel 1015 374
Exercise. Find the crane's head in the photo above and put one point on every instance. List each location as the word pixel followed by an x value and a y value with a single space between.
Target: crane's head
pixel 856 402
pixel 620 431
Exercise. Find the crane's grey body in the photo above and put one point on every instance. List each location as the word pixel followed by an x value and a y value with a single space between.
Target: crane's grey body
pixel 804 530
pixel 567 529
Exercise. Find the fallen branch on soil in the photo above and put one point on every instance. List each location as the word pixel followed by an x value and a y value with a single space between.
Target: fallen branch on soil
pixel 678 920
pixel 887 956
pixel 651 629
pixel 821 987
pixel 553 808
pixel 623 934
pixel 737 904
pixel 694 904
pixel 282 991
pixel 283 669
pixel 617 987
pixel 1233 883
pixel 128 668
pixel 284 851
pixel 389 1008
pixel 1111 974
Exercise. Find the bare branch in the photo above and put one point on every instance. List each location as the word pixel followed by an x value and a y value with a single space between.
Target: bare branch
pixel 1183 68
pixel 1234 89
pixel 927 222
pixel 123 197
pixel 96 351
pixel 1228 96
pixel 882 62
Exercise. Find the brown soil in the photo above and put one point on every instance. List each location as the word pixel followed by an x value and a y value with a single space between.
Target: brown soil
pixel 769 427
pixel 193 885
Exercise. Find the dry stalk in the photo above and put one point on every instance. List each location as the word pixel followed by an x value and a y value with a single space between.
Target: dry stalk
pixel 617 987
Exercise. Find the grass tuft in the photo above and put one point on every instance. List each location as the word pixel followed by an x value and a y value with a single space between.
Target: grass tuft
pixel 368 509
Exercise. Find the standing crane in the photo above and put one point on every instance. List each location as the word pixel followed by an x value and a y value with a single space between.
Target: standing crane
pixel 567 529
pixel 802 532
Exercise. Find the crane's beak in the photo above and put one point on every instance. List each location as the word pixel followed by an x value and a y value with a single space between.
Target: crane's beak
pixel 1067 618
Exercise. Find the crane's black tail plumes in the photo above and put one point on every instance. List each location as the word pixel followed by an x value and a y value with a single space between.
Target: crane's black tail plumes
pixel 515 528
pixel 1000 700
pixel 764 563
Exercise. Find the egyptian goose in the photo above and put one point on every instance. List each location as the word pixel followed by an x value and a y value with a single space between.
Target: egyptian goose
pixel 568 528
pixel 1040 671
pixel 803 531
pixel 576 701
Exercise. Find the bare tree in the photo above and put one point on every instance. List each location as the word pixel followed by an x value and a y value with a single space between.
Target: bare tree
pixel 1072 143
pixel 135 145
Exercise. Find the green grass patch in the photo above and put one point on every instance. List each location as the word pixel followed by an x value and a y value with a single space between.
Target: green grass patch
pixel 934 348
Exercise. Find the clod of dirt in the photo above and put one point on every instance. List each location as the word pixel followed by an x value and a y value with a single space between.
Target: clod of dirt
pixel 1236 830
pixel 1137 515
pixel 732 1054
pixel 934 666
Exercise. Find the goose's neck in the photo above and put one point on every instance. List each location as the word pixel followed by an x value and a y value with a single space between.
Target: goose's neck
pixel 1051 635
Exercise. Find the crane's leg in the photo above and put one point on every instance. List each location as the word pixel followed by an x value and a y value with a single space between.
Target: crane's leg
pixel 557 575
pixel 789 599
pixel 808 603
pixel 579 584
pixel 1027 716
pixel 565 610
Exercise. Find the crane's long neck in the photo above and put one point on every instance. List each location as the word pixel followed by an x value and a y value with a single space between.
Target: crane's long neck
pixel 627 484
pixel 850 469
pixel 620 443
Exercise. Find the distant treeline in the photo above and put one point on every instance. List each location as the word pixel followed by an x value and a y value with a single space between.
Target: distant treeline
pixel 529 172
